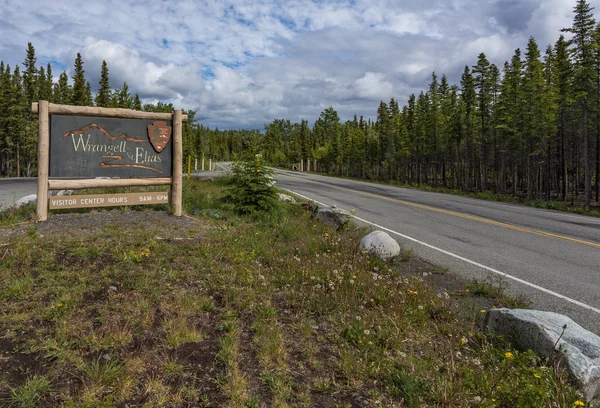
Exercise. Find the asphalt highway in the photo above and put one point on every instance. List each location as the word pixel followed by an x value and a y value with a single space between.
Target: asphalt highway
pixel 551 257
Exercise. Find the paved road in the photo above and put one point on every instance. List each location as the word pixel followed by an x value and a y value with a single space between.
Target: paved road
pixel 14 188
pixel 552 257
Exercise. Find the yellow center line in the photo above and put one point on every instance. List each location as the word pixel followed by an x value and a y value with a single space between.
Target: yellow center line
pixel 457 214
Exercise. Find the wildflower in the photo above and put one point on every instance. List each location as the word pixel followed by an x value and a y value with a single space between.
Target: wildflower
pixel 537 376
pixel 358 318
pixel 326 235
pixel 482 310
pixel 579 403
pixel 59 305
pixel 353 210
pixel 367 331
pixel 463 341
pixel 420 307
pixel 353 276
pixel 145 252
pixel 256 233
pixel 508 355
pixel 467 290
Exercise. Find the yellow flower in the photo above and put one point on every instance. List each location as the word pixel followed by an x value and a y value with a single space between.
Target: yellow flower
pixel 467 290
pixel 59 305
pixel 257 233
pixel 579 403
pixel 482 310
pixel 508 355
pixel 537 376
pixel 463 341
pixel 353 276
pixel 326 235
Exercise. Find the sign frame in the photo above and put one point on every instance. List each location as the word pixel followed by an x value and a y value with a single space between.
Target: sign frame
pixel 44 109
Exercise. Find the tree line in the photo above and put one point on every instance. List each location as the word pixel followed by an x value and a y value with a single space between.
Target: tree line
pixel 529 129
pixel 19 87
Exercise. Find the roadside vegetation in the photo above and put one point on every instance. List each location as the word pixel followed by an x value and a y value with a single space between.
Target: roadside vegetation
pixel 221 308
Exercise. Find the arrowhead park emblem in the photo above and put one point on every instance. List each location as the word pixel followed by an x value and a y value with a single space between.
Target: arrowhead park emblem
pixel 159 134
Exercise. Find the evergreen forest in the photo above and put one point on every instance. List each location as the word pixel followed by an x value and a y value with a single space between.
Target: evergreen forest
pixel 529 127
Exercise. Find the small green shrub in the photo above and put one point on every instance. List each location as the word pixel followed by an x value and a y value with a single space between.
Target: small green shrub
pixel 252 187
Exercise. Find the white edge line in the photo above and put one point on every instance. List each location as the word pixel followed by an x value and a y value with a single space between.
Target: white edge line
pixel 486 268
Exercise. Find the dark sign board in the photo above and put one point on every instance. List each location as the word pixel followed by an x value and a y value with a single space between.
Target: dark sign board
pixel 92 147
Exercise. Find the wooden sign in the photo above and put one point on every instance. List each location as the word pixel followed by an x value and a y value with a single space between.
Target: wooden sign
pixel 93 147
pixel 108 200
pixel 108 148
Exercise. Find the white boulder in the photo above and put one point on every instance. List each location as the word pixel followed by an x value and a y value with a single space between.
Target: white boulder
pixel 286 198
pixel 381 244
pixel 31 198
pixel 555 336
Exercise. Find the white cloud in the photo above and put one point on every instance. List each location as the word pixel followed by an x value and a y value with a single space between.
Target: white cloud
pixel 373 86
pixel 241 64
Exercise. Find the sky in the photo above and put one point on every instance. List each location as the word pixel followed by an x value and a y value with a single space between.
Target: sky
pixel 241 64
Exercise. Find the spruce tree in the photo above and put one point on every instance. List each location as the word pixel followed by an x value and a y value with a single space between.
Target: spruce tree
pixel 137 103
pixel 582 54
pixel 563 73
pixel 481 77
pixel 103 95
pixel 124 99
pixel 79 94
pixel 468 97
pixel 533 86
pixel 29 75
pixel 62 90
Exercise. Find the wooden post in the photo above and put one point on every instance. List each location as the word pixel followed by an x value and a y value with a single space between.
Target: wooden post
pixel 196 164
pixel 176 187
pixel 43 162
pixel 308 165
pixel 209 164
pixel 301 164
pixel 202 162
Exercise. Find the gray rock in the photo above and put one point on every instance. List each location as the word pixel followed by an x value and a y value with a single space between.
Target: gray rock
pixel 381 244
pixel 64 193
pixel 286 198
pixel 336 217
pixel 555 336
pixel 31 198
pixel 213 214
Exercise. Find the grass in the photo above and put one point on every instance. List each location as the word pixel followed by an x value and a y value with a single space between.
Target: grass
pixel 31 392
pixel 260 310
